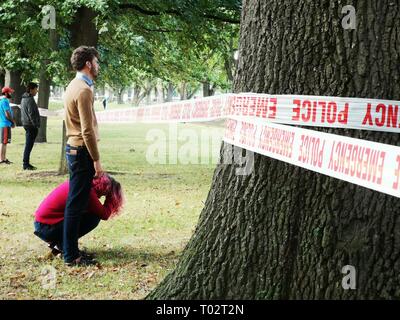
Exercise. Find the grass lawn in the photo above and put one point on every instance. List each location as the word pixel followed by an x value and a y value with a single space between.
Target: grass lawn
pixel 136 249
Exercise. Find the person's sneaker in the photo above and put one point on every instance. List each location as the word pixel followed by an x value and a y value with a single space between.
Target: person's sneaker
pixel 7 161
pixel 82 262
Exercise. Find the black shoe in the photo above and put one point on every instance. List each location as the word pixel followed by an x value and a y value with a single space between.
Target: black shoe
pixel 29 167
pixel 6 161
pixel 82 262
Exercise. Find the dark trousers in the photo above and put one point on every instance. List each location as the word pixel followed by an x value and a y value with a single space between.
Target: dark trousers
pixel 30 136
pixel 81 173
pixel 54 233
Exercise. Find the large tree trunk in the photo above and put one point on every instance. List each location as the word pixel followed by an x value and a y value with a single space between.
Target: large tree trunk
pixel 284 232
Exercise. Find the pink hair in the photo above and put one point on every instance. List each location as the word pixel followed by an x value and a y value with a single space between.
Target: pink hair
pixel 110 188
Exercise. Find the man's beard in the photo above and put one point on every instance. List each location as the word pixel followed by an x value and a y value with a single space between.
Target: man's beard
pixel 94 74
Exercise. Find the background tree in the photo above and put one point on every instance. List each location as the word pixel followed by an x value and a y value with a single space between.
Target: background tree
pixel 30 52
pixel 284 232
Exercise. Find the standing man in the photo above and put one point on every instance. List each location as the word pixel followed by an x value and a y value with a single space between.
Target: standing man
pixel 31 121
pixel 82 153
pixel 6 123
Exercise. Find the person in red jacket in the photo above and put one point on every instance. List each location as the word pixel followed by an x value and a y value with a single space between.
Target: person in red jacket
pixel 49 217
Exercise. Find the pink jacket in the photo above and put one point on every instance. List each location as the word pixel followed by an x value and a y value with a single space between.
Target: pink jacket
pixel 51 210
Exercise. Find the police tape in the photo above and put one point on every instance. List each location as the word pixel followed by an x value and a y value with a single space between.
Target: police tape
pixel 45 112
pixel 369 164
pixel 317 111
pixel 256 122
pixel 51 113
pixel 333 112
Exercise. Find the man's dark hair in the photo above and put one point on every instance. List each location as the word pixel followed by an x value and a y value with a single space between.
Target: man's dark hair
pixel 31 86
pixel 81 55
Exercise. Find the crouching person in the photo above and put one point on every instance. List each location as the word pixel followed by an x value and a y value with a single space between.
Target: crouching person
pixel 49 217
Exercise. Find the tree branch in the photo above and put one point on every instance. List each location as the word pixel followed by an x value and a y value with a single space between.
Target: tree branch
pixel 176 13
pixel 162 30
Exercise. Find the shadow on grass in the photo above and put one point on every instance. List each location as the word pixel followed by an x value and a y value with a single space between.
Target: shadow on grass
pixel 144 175
pixel 41 174
pixel 126 255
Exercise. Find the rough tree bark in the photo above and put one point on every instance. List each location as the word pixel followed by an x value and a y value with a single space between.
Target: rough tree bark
pixel 284 232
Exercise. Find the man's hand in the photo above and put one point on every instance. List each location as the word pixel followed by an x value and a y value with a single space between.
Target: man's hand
pixel 98 168
pixel 13 125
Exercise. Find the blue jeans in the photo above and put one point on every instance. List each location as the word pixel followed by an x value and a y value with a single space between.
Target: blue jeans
pixel 54 233
pixel 81 173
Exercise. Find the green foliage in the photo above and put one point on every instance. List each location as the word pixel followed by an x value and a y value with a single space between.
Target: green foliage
pixel 174 40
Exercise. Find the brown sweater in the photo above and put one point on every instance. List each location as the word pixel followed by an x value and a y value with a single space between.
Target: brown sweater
pixel 80 119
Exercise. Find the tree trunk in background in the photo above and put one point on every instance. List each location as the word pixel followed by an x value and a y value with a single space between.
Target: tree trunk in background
pixel 170 92
pixel 2 78
pixel 284 232
pixel 156 93
pixel 229 64
pixel 207 89
pixel 136 94
pixel 62 167
pixel 13 79
pixel 160 89
pixel 84 30
pixel 44 89
pixel 120 95
pixel 130 94
pixel 148 89
pixel 43 102
pixel 148 98
pixel 183 91
pixel 191 91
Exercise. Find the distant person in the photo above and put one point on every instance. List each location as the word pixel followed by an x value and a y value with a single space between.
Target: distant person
pixel 104 102
pixel 82 153
pixel 31 121
pixel 6 123
pixel 49 217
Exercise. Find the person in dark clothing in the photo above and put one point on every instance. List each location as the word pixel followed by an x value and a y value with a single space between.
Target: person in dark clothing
pixel 31 121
